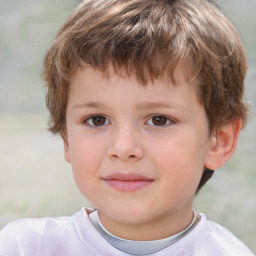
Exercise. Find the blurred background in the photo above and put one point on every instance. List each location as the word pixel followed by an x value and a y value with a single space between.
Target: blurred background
pixel 35 180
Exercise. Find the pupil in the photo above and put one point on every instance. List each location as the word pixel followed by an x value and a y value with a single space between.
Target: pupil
pixel 98 120
pixel 159 120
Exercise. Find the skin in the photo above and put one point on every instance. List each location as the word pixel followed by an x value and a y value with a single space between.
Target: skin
pixel 154 140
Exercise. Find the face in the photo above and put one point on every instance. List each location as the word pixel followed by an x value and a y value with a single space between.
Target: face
pixel 137 152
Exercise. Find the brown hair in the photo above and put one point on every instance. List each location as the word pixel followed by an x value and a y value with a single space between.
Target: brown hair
pixel 132 34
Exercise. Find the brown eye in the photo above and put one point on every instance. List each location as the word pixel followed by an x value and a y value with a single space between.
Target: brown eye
pixel 159 121
pixel 97 121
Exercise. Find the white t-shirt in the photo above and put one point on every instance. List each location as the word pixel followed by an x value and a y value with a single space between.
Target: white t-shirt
pixel 76 236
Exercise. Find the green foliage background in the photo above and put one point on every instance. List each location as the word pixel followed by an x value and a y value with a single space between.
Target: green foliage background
pixel 35 180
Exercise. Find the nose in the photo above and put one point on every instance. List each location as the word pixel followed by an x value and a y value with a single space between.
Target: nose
pixel 125 146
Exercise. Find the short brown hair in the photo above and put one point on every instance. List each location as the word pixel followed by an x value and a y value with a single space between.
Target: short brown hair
pixel 131 34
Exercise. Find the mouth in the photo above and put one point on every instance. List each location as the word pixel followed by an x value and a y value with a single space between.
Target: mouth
pixel 127 182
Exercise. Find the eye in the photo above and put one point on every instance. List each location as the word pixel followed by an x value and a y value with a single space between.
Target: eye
pixel 96 121
pixel 160 121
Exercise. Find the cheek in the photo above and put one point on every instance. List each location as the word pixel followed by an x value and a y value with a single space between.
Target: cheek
pixel 85 166
pixel 86 156
pixel 179 162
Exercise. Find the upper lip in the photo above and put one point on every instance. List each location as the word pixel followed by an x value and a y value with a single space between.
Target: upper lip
pixel 126 177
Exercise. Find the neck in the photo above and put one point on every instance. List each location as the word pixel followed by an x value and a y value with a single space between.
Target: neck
pixel 163 227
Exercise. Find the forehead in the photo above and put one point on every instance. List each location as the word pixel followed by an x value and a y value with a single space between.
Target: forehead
pixel 179 75
pixel 90 84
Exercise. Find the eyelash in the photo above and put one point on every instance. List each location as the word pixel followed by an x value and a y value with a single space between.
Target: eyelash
pixel 90 118
pixel 167 121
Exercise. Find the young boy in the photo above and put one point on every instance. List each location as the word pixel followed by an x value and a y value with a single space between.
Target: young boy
pixel 148 99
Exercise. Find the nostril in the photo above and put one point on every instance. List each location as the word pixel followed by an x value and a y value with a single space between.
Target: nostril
pixel 125 153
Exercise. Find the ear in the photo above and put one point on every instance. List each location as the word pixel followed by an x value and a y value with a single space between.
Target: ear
pixel 66 146
pixel 223 145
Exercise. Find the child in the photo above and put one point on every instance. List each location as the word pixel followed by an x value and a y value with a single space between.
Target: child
pixel 148 99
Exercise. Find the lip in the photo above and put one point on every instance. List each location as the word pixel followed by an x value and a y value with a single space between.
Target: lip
pixel 127 182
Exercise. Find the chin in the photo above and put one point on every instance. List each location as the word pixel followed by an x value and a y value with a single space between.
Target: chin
pixel 128 215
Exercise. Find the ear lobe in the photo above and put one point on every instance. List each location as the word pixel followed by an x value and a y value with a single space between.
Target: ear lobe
pixel 66 147
pixel 223 145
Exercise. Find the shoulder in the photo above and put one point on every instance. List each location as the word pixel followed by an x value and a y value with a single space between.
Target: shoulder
pixel 210 238
pixel 31 234
pixel 36 226
pixel 221 238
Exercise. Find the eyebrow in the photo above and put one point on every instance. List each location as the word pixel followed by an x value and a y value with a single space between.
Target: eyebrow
pixel 151 105
pixel 96 105
pixel 139 106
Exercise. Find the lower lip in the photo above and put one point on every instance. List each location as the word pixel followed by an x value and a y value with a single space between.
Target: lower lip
pixel 128 185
